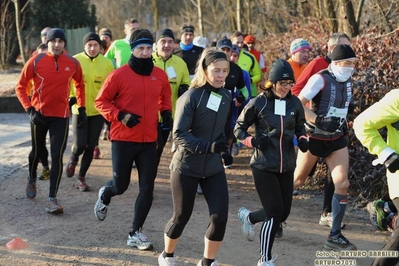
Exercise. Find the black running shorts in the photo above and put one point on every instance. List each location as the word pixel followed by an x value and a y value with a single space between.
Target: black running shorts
pixel 323 148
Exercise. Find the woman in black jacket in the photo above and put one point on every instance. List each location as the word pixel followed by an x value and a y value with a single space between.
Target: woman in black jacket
pixel 198 132
pixel 279 119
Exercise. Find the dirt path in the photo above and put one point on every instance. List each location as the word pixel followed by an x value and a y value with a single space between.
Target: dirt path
pixel 78 238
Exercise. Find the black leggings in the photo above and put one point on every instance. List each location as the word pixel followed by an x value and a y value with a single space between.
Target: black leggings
pixel 275 194
pixel 393 244
pixel 163 134
pixel 85 139
pixel 58 128
pixel 145 156
pixel 184 190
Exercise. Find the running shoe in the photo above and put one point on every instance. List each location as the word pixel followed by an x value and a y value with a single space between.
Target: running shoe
pixel 81 184
pixel 70 169
pixel 100 209
pixel 199 190
pixel 215 263
pixel 31 190
pixel 247 228
pixel 327 220
pixel 279 233
pixel 53 206
pixel 45 174
pixel 339 243
pixel 96 153
pixel 138 240
pixel 381 215
pixel 234 149
pixel 373 214
pixel 268 262
pixel 167 261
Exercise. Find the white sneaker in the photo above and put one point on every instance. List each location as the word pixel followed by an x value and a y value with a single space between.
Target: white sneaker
pixel 215 263
pixel 139 240
pixel 247 229
pixel 100 209
pixel 269 262
pixel 328 220
pixel 167 261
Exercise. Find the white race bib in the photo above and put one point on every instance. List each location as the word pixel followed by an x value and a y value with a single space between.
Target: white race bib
pixel 214 101
pixel 279 107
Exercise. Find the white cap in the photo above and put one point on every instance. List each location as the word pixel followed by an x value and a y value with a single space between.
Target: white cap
pixel 201 41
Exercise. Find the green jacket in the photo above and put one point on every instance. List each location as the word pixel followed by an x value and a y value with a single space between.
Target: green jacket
pixel 177 72
pixel 381 114
pixel 248 62
pixel 94 73
pixel 119 51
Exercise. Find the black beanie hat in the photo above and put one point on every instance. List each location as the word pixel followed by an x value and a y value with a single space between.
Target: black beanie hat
pixel 164 33
pixel 342 52
pixel 55 33
pixel 187 28
pixel 281 70
pixel 91 36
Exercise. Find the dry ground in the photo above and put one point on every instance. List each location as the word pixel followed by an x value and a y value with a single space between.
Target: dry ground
pixel 78 238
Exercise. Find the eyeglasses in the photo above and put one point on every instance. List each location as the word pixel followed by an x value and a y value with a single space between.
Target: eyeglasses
pixel 285 83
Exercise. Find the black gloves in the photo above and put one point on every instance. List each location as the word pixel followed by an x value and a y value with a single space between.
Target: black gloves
pixel 302 143
pixel 72 101
pixel 392 163
pixel 240 98
pixel 167 119
pixel 329 124
pixel 35 117
pixel 261 143
pixel 227 158
pixel 218 146
pixel 182 89
pixel 129 120
pixel 82 118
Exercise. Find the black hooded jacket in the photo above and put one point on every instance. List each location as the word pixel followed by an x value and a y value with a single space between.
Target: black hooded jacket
pixel 280 155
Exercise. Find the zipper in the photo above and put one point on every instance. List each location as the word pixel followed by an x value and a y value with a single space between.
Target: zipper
pixel 281 142
pixel 56 63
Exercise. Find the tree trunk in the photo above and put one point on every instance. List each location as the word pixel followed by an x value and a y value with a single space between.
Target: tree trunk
pixel 248 27
pixel 19 34
pixel 331 16
pixel 347 20
pixel 154 7
pixel 238 12
pixel 200 19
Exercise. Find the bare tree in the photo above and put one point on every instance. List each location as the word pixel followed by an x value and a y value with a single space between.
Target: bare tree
pixel 154 7
pixel 348 17
pixel 238 14
pixel 18 26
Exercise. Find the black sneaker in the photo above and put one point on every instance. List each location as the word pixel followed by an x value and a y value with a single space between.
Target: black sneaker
pixel 339 243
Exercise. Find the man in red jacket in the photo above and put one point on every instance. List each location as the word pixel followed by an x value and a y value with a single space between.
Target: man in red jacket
pixel 130 99
pixel 48 109
pixel 250 41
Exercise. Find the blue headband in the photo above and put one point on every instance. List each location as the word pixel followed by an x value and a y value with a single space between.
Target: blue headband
pixel 140 42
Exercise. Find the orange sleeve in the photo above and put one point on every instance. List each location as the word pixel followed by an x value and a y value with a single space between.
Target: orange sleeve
pixel 24 81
